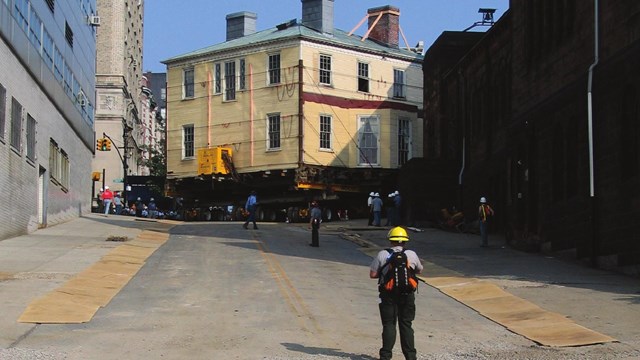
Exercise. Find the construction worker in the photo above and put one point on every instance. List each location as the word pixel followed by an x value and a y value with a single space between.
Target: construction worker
pixel 314 223
pixel 484 212
pixel 396 306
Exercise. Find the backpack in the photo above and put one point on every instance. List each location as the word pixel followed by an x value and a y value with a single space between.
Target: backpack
pixel 400 278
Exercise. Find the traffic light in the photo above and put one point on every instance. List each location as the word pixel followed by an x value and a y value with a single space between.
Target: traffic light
pixel 107 145
pixel 104 145
pixel 100 144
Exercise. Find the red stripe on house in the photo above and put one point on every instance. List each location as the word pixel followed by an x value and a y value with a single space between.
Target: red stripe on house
pixel 357 104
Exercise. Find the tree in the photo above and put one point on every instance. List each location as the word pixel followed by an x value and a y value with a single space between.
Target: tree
pixel 156 162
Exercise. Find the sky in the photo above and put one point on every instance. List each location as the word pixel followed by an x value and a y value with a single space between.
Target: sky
pixel 176 27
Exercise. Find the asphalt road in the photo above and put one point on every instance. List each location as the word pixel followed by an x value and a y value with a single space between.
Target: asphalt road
pixel 217 291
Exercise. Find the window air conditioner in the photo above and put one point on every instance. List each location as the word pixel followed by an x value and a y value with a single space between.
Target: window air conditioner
pixel 94 20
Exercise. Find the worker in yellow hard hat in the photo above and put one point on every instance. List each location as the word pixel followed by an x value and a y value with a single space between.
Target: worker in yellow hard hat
pixel 395 269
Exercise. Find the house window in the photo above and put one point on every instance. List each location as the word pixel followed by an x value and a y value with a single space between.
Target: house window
pixel 398 84
pixel 325 69
pixel 363 77
pixel 230 80
pixel 188 146
pixel 368 137
pixel 274 69
pixel 404 141
pixel 273 131
pixel 325 132
pixel 16 124
pixel 217 79
pixel 31 138
pixel 3 110
pixel 188 86
pixel 243 83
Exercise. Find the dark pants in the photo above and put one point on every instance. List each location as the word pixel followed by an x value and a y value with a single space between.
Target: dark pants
pixel 483 233
pixel 400 309
pixel 315 236
pixel 251 218
pixel 370 217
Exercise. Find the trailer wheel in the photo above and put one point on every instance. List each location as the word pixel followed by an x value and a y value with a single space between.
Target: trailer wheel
pixel 270 215
pixel 259 214
pixel 218 215
pixel 206 215
pixel 327 214
pixel 295 214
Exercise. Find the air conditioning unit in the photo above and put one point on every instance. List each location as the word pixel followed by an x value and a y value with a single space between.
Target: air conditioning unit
pixel 81 98
pixel 94 20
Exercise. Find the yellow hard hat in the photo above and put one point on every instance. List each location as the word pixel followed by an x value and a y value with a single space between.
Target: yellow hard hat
pixel 398 233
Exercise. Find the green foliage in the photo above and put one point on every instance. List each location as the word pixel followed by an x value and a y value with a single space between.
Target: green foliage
pixel 157 163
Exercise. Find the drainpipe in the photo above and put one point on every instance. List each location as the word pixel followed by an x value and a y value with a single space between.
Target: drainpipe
pixel 251 110
pixel 594 241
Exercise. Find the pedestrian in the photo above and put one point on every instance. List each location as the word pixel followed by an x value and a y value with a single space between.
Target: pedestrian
pixel 389 206
pixel 153 209
pixel 396 307
pixel 250 206
pixel 107 198
pixel 397 203
pixel 117 201
pixel 484 212
pixel 376 207
pixel 139 207
pixel 369 208
pixel 100 203
pixel 314 223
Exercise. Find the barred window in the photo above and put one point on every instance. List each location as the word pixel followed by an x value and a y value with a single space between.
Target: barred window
pixel 325 132
pixel 31 138
pixel 325 69
pixel 218 79
pixel 16 124
pixel 404 141
pixel 274 131
pixel 230 80
pixel 3 110
pixel 242 79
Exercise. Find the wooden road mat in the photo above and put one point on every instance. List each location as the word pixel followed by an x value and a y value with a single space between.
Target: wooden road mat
pixel 518 315
pixel 79 299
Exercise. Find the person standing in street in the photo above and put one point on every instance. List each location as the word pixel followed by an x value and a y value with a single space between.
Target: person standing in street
pixel 376 206
pixel 314 223
pixel 250 206
pixel 369 208
pixel 117 201
pixel 107 198
pixel 484 212
pixel 389 206
pixel 396 306
pixel 397 203
pixel 153 209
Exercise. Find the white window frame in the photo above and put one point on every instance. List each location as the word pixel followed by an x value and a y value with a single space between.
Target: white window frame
pixel 188 89
pixel 274 144
pixel 399 87
pixel 230 80
pixel 325 132
pixel 368 141
pixel 404 140
pixel 324 69
pixel 274 75
pixel 188 142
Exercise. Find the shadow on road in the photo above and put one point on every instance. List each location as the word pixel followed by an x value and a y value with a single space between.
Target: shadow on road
pixel 325 351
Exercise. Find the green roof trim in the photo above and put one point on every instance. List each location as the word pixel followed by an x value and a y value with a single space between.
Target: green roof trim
pixel 338 38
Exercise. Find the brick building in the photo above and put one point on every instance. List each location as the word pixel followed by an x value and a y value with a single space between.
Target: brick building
pixel 514 113
pixel 47 87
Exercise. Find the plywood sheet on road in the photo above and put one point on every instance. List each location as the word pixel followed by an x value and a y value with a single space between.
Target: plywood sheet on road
pixel 516 314
pixel 79 299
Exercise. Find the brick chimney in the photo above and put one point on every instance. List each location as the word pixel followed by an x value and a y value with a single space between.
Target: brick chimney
pixel 386 29
pixel 318 15
pixel 241 24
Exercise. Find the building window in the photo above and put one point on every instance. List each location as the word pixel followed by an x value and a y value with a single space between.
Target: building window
pixel 16 124
pixel 230 80
pixel 35 30
pixel 404 141
pixel 243 74
pixel 53 159
pixel 368 136
pixel 363 77
pixel 67 80
pixel 3 110
pixel 47 49
pixel 274 131
pixel 274 69
pixel 398 84
pixel 325 69
pixel 20 11
pixel 68 34
pixel 58 165
pixel 325 132
pixel 58 64
pixel 163 94
pixel 188 87
pixel 51 4
pixel 217 79
pixel 31 138
pixel 188 145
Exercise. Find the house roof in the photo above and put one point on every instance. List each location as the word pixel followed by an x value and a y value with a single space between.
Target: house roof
pixel 293 29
